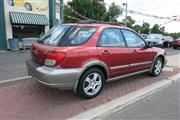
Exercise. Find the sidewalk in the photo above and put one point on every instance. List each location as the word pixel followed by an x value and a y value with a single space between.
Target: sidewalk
pixel 31 100
pixel 162 105
pixel 12 64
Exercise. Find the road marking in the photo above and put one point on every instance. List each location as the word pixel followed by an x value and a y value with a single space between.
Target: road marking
pixel 2 82
pixel 104 110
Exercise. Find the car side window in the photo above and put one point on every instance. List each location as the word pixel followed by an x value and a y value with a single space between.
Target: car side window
pixel 111 38
pixel 133 40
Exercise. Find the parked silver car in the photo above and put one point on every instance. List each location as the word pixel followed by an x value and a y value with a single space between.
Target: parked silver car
pixel 167 41
pixel 156 40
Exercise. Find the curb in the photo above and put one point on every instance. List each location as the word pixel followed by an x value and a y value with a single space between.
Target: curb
pixel 104 110
pixel 14 80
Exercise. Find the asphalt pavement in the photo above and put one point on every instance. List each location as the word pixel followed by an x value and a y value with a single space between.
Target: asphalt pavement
pixel 162 105
pixel 13 64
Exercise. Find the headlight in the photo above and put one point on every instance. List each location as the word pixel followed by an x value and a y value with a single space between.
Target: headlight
pixel 160 42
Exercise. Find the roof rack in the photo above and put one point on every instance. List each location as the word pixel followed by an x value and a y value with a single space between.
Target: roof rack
pixel 98 22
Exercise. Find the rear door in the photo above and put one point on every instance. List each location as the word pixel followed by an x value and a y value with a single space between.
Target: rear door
pixel 141 57
pixel 113 51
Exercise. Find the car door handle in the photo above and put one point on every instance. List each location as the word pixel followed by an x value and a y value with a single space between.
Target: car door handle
pixel 105 52
pixel 135 51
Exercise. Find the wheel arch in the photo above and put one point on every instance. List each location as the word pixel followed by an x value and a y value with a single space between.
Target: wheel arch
pixel 94 64
pixel 158 55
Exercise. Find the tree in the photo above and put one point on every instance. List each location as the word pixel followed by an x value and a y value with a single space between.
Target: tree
pixel 137 28
pixel 92 9
pixel 174 35
pixel 157 29
pixel 113 13
pixel 145 28
pixel 130 21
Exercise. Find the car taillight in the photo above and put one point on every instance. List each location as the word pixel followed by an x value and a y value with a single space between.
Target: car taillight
pixel 54 59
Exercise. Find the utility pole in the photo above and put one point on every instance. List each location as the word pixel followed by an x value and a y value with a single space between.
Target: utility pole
pixel 126 6
pixel 61 11
pixel 52 13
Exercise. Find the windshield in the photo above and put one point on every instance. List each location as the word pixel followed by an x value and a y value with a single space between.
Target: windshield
pixel 154 37
pixel 67 35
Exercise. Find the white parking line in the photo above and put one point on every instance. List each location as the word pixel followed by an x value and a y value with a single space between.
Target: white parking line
pixel 14 80
pixel 115 105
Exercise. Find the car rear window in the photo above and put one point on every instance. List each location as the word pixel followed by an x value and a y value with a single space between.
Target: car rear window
pixel 55 35
pixel 78 35
pixel 67 35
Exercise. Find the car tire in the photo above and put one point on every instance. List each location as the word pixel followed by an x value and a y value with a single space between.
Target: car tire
pixel 28 6
pixel 157 67
pixel 174 47
pixel 91 83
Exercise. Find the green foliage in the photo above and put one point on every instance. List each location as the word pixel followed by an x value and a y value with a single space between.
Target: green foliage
pixel 137 28
pixel 93 9
pixel 113 12
pixel 174 35
pixel 96 9
pixel 157 29
pixel 130 22
pixel 145 28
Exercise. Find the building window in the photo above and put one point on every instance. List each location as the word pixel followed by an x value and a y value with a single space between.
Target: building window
pixel 27 31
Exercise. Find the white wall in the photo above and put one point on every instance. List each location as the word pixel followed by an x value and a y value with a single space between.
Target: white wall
pixel 8 8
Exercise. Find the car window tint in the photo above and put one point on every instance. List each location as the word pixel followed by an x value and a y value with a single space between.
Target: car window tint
pixel 54 36
pixel 132 39
pixel 80 35
pixel 112 38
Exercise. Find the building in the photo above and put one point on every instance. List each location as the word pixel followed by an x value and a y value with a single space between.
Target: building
pixel 25 19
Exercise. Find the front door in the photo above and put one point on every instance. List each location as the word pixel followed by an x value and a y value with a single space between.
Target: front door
pixel 141 57
pixel 112 51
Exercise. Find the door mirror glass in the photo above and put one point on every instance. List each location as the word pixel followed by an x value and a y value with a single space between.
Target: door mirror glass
pixel 149 44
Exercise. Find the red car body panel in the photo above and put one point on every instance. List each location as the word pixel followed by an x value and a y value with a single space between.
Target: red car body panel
pixel 176 43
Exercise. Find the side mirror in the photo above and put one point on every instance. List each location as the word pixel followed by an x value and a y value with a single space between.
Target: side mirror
pixel 149 44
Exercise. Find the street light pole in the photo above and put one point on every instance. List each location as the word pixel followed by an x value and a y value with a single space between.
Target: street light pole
pixel 126 6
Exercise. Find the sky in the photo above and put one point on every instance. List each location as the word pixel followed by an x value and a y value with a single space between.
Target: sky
pixel 164 8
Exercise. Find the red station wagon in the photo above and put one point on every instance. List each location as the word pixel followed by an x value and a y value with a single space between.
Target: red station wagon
pixel 85 56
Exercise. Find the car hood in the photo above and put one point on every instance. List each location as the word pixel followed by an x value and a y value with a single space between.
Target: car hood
pixel 154 40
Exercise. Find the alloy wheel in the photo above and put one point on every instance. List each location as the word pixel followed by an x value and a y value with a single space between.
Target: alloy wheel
pixel 158 67
pixel 92 84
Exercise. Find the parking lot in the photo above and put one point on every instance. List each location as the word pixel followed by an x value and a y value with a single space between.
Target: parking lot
pixel 31 100
pixel 173 56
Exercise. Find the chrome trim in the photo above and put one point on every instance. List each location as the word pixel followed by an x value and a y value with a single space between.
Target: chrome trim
pixel 127 75
pixel 141 63
pixel 131 65
pixel 119 67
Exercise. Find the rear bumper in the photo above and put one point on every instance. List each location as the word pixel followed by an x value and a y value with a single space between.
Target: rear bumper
pixel 54 77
